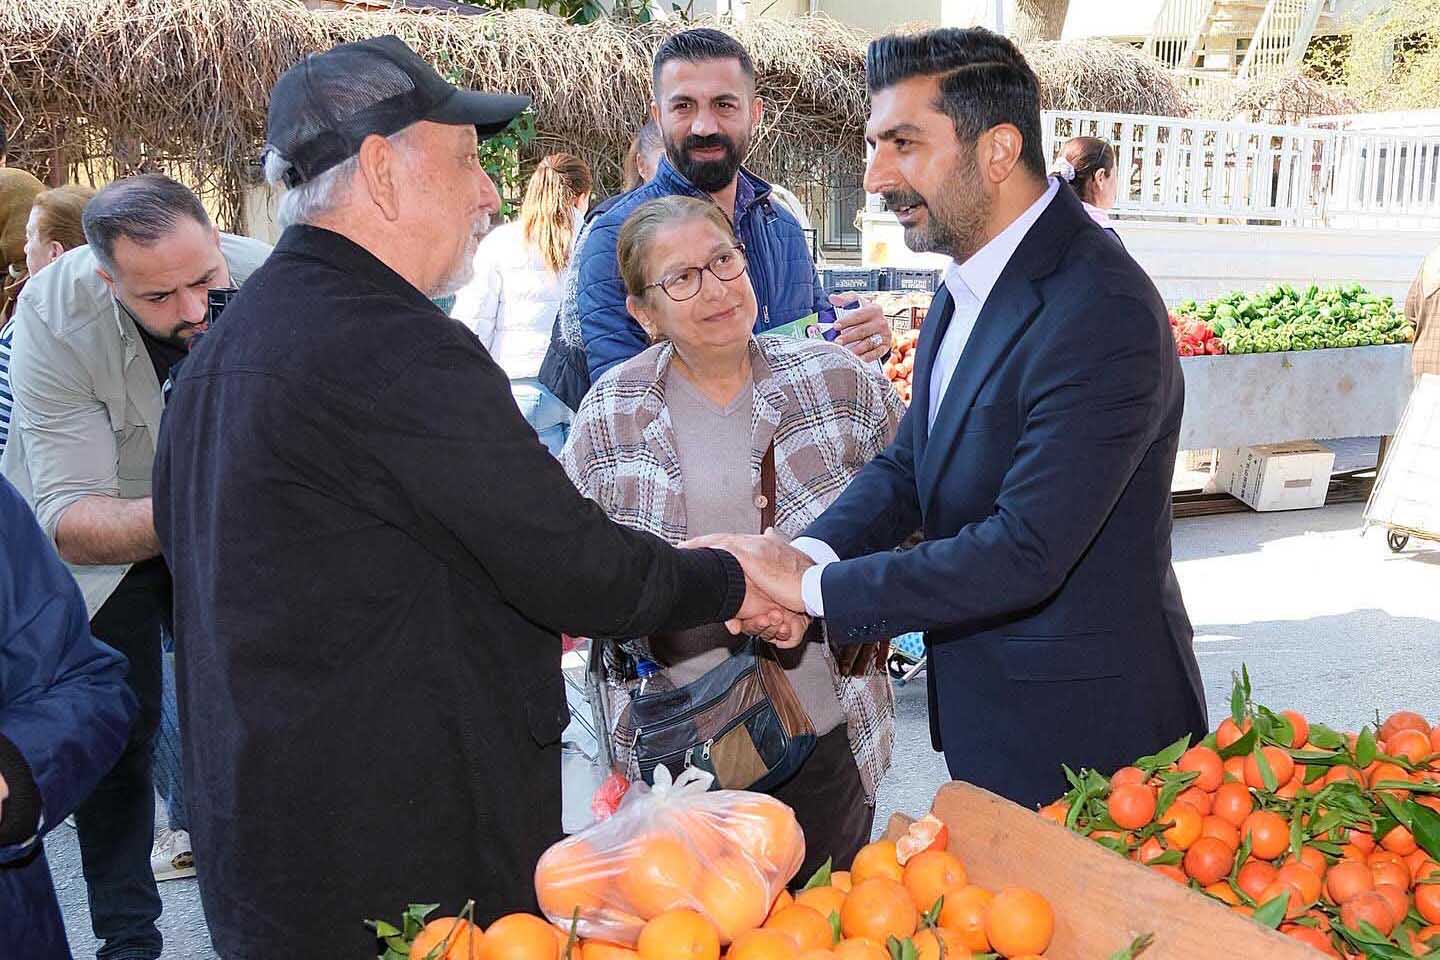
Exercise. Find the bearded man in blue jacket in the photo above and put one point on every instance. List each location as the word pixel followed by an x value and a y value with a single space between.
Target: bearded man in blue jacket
pixel 65 714
pixel 707 110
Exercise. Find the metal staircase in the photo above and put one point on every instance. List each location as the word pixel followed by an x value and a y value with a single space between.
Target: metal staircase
pixel 1241 39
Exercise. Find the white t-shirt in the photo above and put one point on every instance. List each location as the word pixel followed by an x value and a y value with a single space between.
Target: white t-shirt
pixel 512 302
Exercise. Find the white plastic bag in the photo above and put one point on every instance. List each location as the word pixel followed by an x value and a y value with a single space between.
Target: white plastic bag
pixel 725 854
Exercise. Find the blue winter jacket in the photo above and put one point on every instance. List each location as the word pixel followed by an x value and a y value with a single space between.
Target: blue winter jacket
pixel 65 714
pixel 780 267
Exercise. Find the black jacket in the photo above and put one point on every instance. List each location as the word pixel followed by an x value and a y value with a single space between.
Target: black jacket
pixel 373 559
pixel 1054 622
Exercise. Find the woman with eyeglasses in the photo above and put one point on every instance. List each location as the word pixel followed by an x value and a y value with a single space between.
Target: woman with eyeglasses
pixel 675 442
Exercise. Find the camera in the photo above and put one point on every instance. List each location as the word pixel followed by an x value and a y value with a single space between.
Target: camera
pixel 216 302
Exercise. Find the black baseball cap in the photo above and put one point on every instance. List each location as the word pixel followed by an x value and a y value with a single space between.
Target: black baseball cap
pixel 324 107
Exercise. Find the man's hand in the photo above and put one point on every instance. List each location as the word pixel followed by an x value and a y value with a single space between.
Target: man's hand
pixel 866 332
pixel 4 793
pixel 773 570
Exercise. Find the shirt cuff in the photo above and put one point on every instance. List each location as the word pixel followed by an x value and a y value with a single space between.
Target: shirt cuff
pixel 823 555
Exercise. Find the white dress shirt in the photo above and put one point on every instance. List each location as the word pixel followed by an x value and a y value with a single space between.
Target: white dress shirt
pixel 969 284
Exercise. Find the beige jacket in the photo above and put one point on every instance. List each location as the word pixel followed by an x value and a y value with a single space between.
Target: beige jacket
pixel 87 404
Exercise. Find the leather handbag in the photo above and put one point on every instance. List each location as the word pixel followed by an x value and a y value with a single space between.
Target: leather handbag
pixel 741 722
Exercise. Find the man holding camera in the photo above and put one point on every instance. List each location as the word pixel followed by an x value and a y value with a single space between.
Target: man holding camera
pixel 97 334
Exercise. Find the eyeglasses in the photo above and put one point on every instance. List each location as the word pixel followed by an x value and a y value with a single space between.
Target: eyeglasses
pixel 685 284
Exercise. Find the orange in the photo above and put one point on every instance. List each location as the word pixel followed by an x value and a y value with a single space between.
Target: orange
pixel 781 901
pixel 1425 941
pixel 1171 871
pixel 1390 772
pixel 927 833
pixel 1126 776
pixel 1295 903
pixel 1056 812
pixel 447 938
pixel 1396 899
pixel 840 880
pixel 1149 851
pixel 1019 921
pixel 679 935
pixel 763 945
pixel 1347 880
pixel 519 936
pixel 1427 901
pixel 860 949
pixel 1312 858
pixel 1222 830
pixel 929 875
pixel 964 912
pixel 1363 839
pixel 660 875
pixel 602 950
pixel 878 909
pixel 1209 860
pixel 733 896
pixel 1233 803
pixel 927 944
pixel 1254 877
pixel 1399 840
pixel 876 859
pixel 1268 832
pixel 1228 732
pixel 1280 765
pixel 1235 770
pixel 1208 763
pixel 1223 892
pixel 1302 878
pixel 1187 825
pixel 806 927
pixel 1299 725
pixel 1402 720
pixel 1131 806
pixel 570 875
pixel 817 955
pixel 1309 936
pixel 823 900
pixel 1370 907
pixel 765 828
pixel 1197 798
pixel 1410 744
pixel 1390 872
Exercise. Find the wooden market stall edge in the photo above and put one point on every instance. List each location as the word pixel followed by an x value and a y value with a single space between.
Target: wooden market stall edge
pixel 1102 900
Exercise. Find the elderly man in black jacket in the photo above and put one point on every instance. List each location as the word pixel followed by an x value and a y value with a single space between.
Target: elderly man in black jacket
pixel 373 554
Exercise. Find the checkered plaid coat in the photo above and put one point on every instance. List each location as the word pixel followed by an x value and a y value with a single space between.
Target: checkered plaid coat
pixel 828 414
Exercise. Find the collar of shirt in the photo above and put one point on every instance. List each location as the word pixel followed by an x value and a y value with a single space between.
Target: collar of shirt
pixel 317 243
pixel 972 281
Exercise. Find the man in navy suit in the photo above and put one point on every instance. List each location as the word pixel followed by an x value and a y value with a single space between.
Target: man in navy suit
pixel 1036 457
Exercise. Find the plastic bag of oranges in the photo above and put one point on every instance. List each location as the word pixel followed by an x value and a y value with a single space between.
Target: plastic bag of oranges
pixel 725 854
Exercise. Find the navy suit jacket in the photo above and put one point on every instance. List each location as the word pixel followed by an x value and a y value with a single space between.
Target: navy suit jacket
pixel 1054 622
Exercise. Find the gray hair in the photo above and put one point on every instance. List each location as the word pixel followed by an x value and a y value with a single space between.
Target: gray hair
pixel 313 199
pixel 144 208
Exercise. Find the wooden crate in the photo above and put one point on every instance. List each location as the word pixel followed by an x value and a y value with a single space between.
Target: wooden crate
pixel 1102 900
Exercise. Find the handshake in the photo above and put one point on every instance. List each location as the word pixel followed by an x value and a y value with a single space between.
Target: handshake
pixel 774 608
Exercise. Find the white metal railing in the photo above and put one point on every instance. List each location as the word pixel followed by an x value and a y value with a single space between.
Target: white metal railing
pixel 1292 175
pixel 1281 37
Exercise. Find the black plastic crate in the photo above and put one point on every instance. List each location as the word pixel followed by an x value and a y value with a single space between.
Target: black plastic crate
pixel 918 281
pixel 845 279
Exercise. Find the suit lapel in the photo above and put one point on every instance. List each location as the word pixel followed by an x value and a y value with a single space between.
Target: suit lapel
pixel 937 321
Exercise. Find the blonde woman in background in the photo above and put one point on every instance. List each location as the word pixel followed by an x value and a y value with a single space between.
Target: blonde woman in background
pixel 512 303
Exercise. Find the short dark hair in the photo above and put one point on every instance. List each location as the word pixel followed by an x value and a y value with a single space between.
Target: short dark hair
pixel 143 208
pixel 699 45
pixel 984 82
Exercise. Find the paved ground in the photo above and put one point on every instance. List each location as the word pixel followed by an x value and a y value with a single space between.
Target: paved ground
pixel 1328 621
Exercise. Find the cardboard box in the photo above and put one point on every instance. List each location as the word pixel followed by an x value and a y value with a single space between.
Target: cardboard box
pixel 1102 901
pixel 1277 476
